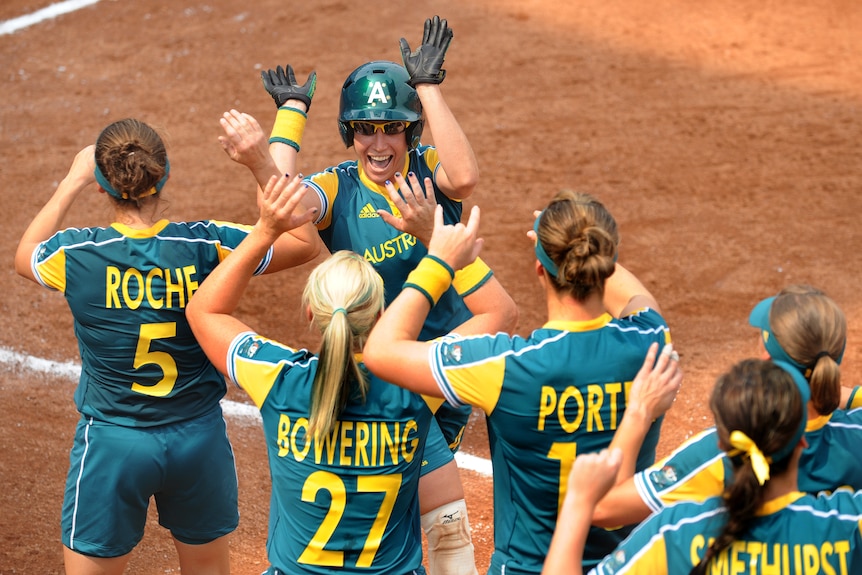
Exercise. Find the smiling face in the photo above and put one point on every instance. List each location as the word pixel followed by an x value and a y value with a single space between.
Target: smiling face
pixel 380 154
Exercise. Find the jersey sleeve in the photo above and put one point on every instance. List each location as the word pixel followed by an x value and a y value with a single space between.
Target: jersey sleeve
pixel 325 184
pixel 230 235
pixel 48 264
pixel 255 363
pixel 855 399
pixel 470 371
pixel 693 472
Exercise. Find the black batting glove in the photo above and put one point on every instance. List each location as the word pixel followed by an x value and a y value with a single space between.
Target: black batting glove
pixel 282 86
pixel 425 65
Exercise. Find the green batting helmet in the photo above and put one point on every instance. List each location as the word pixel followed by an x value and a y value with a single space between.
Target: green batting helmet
pixel 380 91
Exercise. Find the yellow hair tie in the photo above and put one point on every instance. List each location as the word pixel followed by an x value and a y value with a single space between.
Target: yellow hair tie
pixel 759 463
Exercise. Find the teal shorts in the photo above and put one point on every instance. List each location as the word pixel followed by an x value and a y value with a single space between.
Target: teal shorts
pixel 453 422
pixel 187 467
pixel 437 452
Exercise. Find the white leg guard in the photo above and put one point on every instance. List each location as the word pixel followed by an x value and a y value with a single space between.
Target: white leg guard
pixel 450 545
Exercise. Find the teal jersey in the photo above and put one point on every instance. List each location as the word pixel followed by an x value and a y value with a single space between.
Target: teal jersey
pixel 792 534
pixel 127 290
pixel 347 501
pixel 699 469
pixel 349 221
pixel 547 398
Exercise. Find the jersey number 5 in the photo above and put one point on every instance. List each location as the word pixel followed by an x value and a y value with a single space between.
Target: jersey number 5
pixel 315 552
pixel 144 355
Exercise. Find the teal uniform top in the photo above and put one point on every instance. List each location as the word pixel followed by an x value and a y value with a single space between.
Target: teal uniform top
pixel 349 221
pixel 127 290
pixel 699 469
pixel 348 501
pixel 792 534
pixel 547 398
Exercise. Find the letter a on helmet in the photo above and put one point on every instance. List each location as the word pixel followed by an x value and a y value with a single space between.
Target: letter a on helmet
pixel 379 91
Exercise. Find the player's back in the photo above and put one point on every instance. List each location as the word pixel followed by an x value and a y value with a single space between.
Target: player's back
pixel 698 469
pixel 795 533
pixel 348 499
pixel 127 290
pixel 559 393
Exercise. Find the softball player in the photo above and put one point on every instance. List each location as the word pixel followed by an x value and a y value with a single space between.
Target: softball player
pixel 801 326
pixel 559 393
pixel 148 396
pixel 760 524
pixel 344 447
pixel 384 109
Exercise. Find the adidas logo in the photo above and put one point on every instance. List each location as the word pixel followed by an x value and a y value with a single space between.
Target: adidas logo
pixel 368 211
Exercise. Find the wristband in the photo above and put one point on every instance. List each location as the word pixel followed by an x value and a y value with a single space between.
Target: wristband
pixel 432 277
pixel 289 127
pixel 472 277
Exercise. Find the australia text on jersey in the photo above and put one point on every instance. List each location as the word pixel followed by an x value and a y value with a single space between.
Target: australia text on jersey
pixel 389 248
pixel 350 443
pixel 162 288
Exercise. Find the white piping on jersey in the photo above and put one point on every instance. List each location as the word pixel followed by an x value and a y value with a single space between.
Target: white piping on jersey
pixel 807 508
pixel 231 366
pixel 324 201
pixel 843 425
pixel 449 393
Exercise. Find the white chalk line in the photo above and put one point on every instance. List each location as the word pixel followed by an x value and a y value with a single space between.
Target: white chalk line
pixel 243 412
pixel 52 11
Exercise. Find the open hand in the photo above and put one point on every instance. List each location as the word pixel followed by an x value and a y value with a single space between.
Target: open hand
pixel 280 205
pixel 415 205
pixel 657 383
pixel 456 244
pixel 244 140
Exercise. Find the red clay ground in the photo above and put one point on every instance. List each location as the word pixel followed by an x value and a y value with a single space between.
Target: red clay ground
pixel 724 136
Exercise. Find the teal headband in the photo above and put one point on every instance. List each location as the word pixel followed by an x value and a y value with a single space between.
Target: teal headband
pixel 805 391
pixel 105 185
pixel 541 254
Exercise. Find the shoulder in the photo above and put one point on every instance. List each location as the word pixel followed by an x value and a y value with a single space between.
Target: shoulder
pixel 644 315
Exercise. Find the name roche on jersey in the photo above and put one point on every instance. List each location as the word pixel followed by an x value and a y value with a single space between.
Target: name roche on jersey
pixel 159 288
pixel 599 409
pixel 743 557
pixel 350 443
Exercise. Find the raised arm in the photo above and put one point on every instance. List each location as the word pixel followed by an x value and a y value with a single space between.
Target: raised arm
pixel 245 143
pixel 293 102
pixel 459 170
pixel 653 391
pixel 50 217
pixel 210 309
pixel 624 293
pixel 492 307
pixel 591 476
pixel 392 351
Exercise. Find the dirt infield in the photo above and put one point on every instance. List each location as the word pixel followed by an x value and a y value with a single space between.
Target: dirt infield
pixel 724 136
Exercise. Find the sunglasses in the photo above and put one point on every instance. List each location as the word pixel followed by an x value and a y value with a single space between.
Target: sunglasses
pixel 370 128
